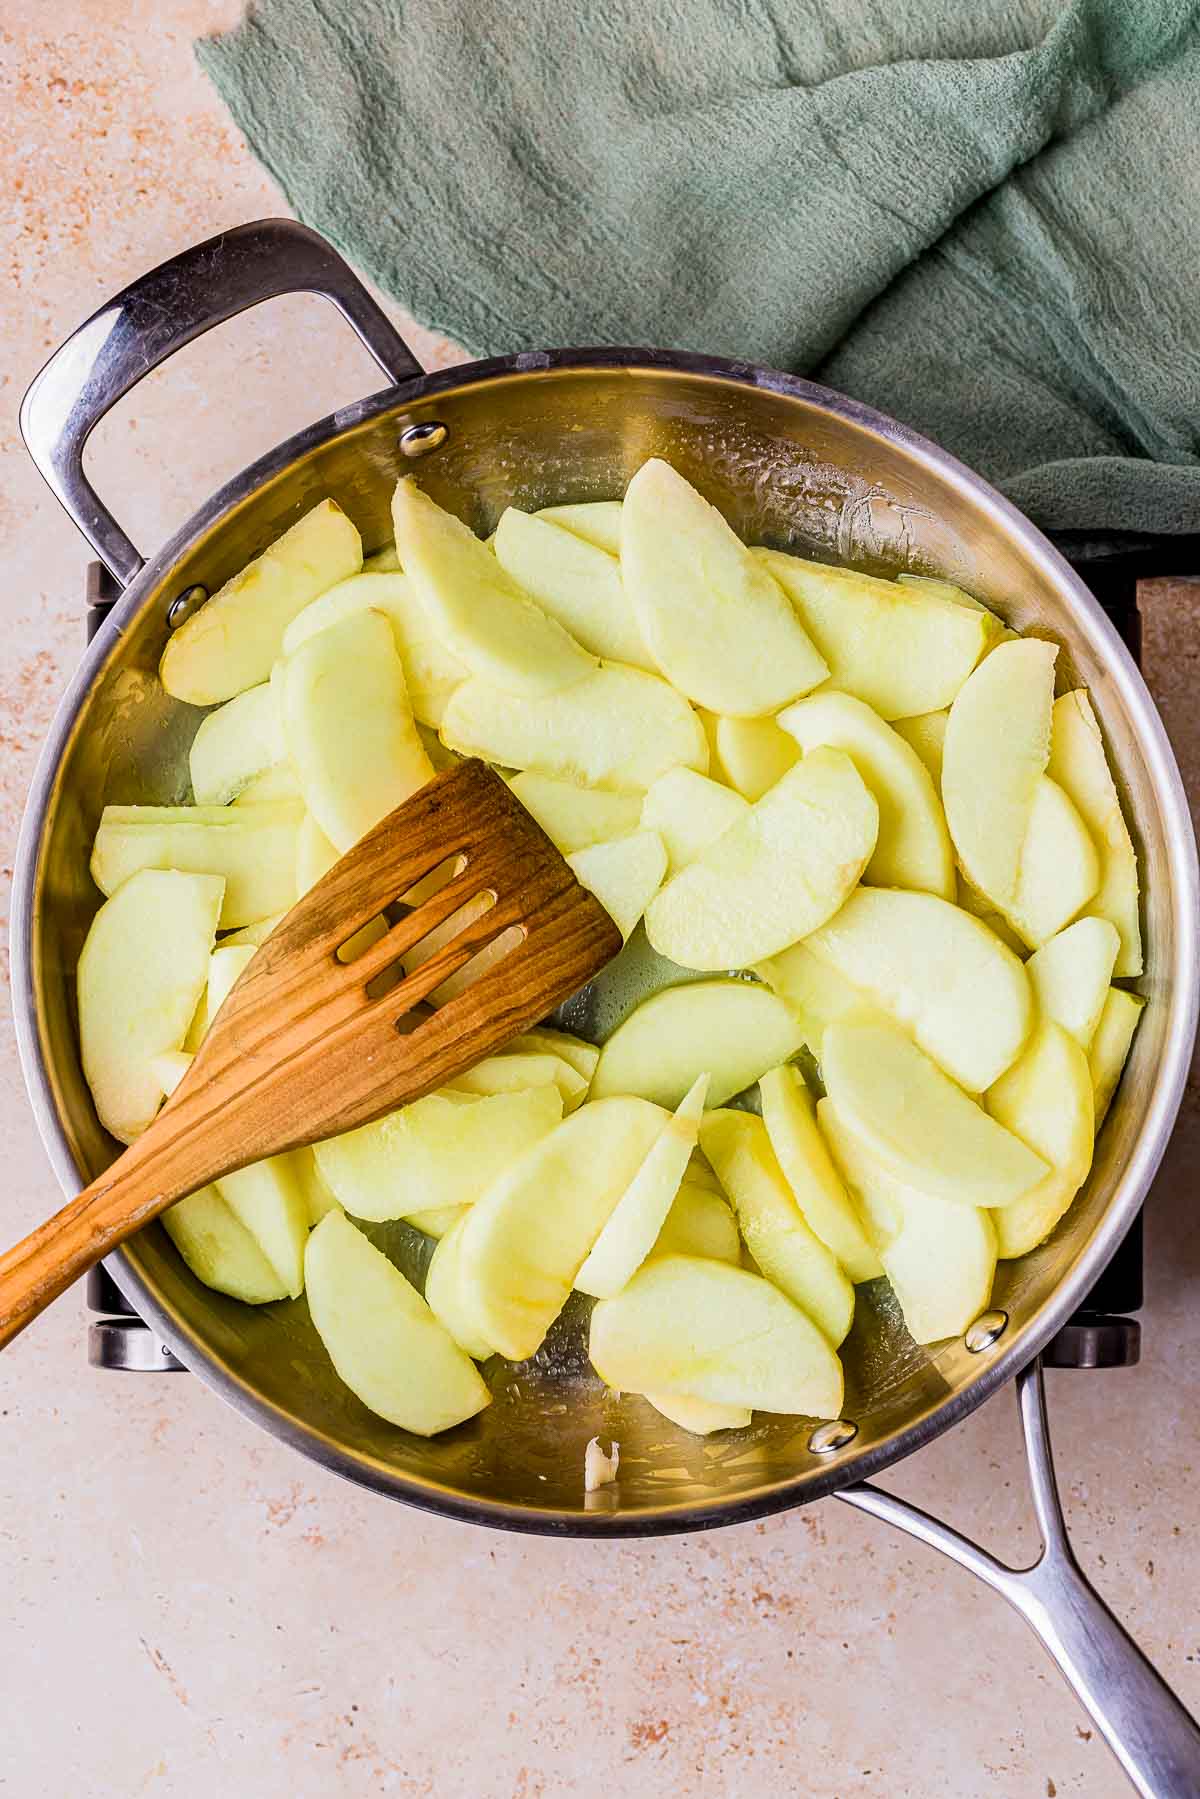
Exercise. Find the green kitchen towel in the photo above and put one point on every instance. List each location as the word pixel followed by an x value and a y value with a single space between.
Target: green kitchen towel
pixel 982 216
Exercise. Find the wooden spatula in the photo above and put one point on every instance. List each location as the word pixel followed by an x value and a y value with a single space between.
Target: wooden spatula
pixel 300 1050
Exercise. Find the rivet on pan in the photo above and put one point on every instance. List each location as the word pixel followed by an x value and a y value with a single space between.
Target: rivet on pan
pixel 184 605
pixel 834 1435
pixel 419 440
pixel 987 1328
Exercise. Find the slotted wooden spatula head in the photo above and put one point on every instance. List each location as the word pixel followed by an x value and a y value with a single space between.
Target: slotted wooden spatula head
pixel 308 1044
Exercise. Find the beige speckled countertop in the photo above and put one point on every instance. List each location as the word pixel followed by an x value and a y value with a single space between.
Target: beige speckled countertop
pixel 189 1608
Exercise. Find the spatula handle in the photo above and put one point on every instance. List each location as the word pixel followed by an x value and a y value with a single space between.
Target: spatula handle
pixel 139 1185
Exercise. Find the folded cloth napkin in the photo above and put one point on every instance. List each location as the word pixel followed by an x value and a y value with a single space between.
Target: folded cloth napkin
pixel 983 218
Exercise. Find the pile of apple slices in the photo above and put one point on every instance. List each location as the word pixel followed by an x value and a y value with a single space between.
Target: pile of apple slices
pixel 855 826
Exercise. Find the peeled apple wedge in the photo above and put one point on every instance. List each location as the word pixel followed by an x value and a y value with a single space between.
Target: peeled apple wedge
pixel 275 783
pixel 142 969
pixel 1071 974
pixel 995 752
pixel 349 728
pixel 708 1331
pixel 236 637
pixel 527 1236
pixel 752 753
pixel 1078 764
pixel 271 1200
pixel 814 990
pixel 963 995
pixel 256 933
pixel 1110 1046
pixel 699 1224
pixel 730 1030
pixel 773 1227
pixel 476 608
pixel 598 522
pixel 317 1196
pixel 235 744
pixel 699 1416
pixel 624 876
pixel 634 1226
pixel 219 1250
pixel 581 1055
pixel 913 845
pixel 225 967
pixel 1046 1100
pixel 382 1338
pixel 442 1150
pixel 509 1073
pixel 253 848
pixel 974 902
pixel 431 671
pixel 789 1115
pixel 575 817
pixel 902 649
pixel 443 1297
pixel 712 617
pixel 1060 870
pixel 924 1130
pixel 689 812
pixel 939 1257
pixel 573 581
pixel 619 729
pixel 774 876
pixel 437 1220
pixel 926 733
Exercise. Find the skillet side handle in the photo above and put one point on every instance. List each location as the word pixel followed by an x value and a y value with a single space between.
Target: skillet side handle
pixel 1152 1735
pixel 159 313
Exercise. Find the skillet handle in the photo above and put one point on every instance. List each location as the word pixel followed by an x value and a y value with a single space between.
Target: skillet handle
pixel 1152 1735
pixel 158 314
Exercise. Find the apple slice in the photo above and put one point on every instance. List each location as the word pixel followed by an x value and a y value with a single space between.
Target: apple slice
pixel 708 1331
pixel 277 783
pixel 1071 974
pixel 270 1199
pixel 699 1224
pixel 317 1196
pixel 624 876
pixel 442 1150
pixel 1078 764
pixel 1110 1046
pixel 529 1233
pixel 581 1055
pixel 443 1293
pixel 699 1416
pixel 776 875
pixel 1060 870
pixel 476 608
pixel 1046 1100
pixel 382 1338
pixel 714 620
pixel 926 733
pixel 574 582
pixel 814 990
pixel 913 845
pixel 752 754
pixel 974 902
pixel 350 731
pixel 382 562
pixel 431 671
pixel 689 812
pixel 235 744
pixel 790 1118
pixel 618 729
pixel 939 1257
pixel 899 647
pixel 256 933
pixel 236 637
pixel 575 817
pixel 437 1220
pixel 142 969
pixel 219 1250
pixel 773 1227
pixel 509 1073
pixel 913 1119
pixel 731 1030
pixel 253 848
pixel 962 994
pixel 634 1226
pixel 995 753
pixel 598 522
pixel 225 967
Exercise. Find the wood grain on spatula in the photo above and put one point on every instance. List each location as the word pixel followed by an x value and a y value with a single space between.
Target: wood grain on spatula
pixel 301 1051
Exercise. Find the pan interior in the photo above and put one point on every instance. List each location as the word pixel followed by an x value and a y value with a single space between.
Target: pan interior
pixel 789 467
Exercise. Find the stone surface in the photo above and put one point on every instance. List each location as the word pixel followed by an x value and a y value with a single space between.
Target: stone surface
pixel 189 1608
